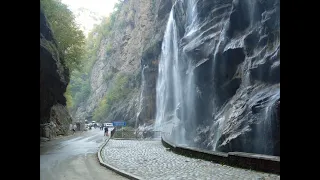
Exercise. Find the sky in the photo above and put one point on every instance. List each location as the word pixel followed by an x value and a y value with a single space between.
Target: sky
pixel 84 19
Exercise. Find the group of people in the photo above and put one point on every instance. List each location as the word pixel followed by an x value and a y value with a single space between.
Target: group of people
pixel 106 130
pixel 73 128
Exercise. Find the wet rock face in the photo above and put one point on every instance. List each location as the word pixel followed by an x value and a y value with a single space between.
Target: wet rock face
pixel 233 50
pixel 254 26
pixel 54 79
pixel 149 65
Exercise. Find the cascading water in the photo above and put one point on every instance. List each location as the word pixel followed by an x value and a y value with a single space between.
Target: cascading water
pixel 175 85
pixel 265 135
pixel 141 96
pixel 168 96
pixel 216 65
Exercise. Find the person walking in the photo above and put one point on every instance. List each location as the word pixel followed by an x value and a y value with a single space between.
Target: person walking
pixel 70 127
pixel 74 128
pixel 112 132
pixel 106 131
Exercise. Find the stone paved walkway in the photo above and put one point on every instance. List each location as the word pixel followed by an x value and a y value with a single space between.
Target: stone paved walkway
pixel 151 160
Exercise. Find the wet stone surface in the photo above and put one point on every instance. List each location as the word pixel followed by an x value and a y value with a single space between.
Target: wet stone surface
pixel 151 160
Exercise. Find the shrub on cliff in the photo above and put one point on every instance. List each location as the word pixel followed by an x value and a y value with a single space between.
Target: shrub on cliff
pixel 118 92
pixel 78 89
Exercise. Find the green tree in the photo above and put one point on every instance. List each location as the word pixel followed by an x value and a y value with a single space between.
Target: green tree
pixel 69 98
pixel 69 37
pixel 79 88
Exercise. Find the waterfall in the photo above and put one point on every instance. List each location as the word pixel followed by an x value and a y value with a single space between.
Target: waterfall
pixel 141 96
pixel 208 78
pixel 176 89
pixel 264 133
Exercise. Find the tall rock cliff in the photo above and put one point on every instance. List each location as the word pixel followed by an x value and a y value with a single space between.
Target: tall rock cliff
pixel 208 71
pixel 132 47
pixel 219 76
pixel 54 78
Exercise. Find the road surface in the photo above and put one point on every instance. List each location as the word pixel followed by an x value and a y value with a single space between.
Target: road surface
pixel 74 157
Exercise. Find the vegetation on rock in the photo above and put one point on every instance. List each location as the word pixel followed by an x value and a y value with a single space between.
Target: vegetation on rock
pixel 118 92
pixel 79 88
pixel 70 39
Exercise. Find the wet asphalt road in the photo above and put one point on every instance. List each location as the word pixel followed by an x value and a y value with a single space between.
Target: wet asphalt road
pixel 74 157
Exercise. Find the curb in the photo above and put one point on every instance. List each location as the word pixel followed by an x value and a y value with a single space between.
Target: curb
pixel 124 138
pixel 116 170
pixel 257 162
pixel 135 139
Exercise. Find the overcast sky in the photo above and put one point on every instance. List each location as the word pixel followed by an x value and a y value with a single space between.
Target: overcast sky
pixel 100 7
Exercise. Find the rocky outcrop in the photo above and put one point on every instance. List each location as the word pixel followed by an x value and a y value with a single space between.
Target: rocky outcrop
pixel 221 81
pixel 54 78
pixel 136 43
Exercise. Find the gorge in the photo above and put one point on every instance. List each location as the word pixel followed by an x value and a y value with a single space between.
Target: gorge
pixel 205 72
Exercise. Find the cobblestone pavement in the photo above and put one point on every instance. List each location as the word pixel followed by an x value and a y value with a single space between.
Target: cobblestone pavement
pixel 151 160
